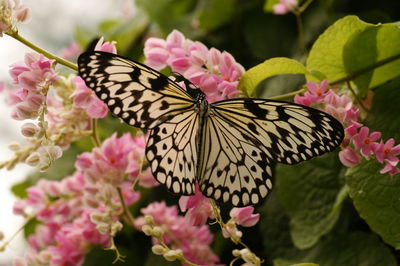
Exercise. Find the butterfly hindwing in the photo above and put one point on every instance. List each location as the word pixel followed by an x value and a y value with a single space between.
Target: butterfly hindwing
pixel 289 133
pixel 139 95
pixel 232 168
pixel 172 153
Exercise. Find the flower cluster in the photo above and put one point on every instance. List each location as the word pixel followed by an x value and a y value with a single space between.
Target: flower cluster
pixel 12 11
pixel 175 231
pixel 216 73
pixel 358 140
pixel 63 106
pixel 34 76
pixel 84 209
pixel 284 7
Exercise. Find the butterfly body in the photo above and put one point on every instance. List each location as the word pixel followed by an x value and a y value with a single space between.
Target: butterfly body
pixel 226 147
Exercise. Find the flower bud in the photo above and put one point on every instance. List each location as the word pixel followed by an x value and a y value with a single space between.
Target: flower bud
pixel 23 14
pixel 29 129
pixel 54 152
pixel 158 249
pixel 171 255
pixel 158 231
pixel 149 219
pixel 147 230
pixel 33 159
pixel 116 227
pixel 103 228
pixel 14 146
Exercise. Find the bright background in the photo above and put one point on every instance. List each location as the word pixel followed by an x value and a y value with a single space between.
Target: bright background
pixel 52 28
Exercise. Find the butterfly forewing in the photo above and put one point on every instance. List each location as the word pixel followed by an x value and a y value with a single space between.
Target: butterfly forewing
pixel 172 153
pixel 289 133
pixel 232 166
pixel 139 95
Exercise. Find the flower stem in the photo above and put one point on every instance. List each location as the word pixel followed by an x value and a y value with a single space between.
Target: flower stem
pixel 288 95
pixel 95 136
pixel 366 69
pixel 125 209
pixel 14 34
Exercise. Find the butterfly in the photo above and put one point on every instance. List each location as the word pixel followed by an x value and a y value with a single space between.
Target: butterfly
pixel 226 147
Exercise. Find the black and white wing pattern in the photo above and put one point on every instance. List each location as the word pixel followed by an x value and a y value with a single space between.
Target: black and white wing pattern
pixel 242 137
pixel 233 166
pixel 145 98
pixel 172 152
pixel 141 96
pixel 226 147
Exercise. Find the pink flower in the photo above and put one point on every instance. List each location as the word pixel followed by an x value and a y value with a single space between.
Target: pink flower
pixel 387 151
pixel 198 208
pixel 349 157
pixel 341 107
pixel 71 51
pixel 85 98
pixel 284 7
pixel 35 72
pixel 216 73
pixel 365 141
pixel 194 241
pixel 390 168
pixel 352 129
pixel 244 216
pixel 315 93
pixel 108 47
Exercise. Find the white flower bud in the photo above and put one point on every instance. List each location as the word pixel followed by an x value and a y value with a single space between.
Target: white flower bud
pixel 23 14
pixel 147 230
pixel 149 219
pixel 29 129
pixel 103 228
pixel 158 249
pixel 236 252
pixel 116 227
pixel 33 159
pixel 171 255
pixel 14 146
pixel 54 152
pixel 158 231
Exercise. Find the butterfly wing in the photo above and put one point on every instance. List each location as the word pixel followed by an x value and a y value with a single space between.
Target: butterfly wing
pixel 241 137
pixel 172 152
pixel 139 95
pixel 233 168
pixel 289 133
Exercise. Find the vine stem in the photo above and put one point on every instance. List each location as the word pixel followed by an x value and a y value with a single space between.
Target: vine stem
pixel 14 34
pixel 288 95
pixel 94 135
pixel 126 211
pixel 366 69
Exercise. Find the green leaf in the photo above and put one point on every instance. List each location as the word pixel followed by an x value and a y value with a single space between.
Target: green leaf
pixel 168 14
pixel 274 226
pixel 268 5
pixel 272 67
pixel 308 192
pixel 376 198
pixel 326 55
pixel 367 50
pixel 215 13
pixel 355 248
pixel 127 33
pixel 384 115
